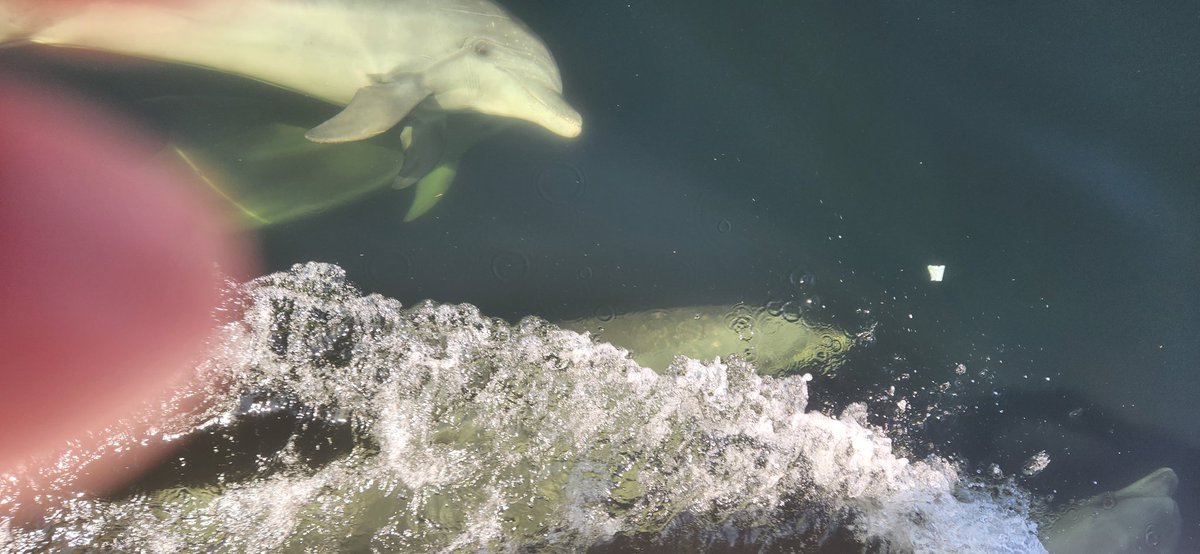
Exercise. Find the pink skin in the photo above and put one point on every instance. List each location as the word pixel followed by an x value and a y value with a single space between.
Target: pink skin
pixel 108 273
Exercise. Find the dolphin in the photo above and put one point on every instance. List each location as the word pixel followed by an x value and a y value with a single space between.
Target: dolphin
pixel 1140 518
pixel 379 59
pixel 776 344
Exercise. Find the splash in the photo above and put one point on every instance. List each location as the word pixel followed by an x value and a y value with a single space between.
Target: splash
pixel 437 429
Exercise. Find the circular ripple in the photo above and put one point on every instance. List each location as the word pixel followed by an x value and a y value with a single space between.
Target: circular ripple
pixel 510 266
pixel 604 313
pixel 560 183
pixel 832 344
pixel 790 311
pixel 775 308
pixel 742 320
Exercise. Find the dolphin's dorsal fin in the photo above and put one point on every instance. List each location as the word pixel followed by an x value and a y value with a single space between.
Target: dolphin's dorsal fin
pixel 373 110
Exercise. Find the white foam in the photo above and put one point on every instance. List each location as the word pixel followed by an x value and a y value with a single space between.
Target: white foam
pixel 472 434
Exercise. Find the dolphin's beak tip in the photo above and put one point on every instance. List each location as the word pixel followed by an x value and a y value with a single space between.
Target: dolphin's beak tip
pixel 569 127
pixel 565 129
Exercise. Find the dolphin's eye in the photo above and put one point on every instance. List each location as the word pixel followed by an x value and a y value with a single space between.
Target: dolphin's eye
pixel 482 49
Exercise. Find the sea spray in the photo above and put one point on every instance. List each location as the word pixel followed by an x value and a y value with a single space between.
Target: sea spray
pixel 465 433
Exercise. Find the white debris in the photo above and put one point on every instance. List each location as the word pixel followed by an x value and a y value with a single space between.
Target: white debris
pixel 1036 463
pixel 936 272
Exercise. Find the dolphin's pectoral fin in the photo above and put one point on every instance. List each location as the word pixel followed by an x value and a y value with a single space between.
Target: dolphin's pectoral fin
pixel 430 189
pixel 373 110
pixel 424 148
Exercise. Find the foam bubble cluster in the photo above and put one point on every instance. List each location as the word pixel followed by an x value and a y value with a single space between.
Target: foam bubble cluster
pixel 466 433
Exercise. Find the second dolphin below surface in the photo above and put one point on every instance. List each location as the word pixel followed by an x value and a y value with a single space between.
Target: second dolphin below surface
pixel 378 59
pixel 775 343
pixel 252 152
pixel 1140 518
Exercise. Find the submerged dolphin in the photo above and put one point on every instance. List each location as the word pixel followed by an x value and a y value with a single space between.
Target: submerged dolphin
pixel 378 58
pixel 774 343
pixel 1139 518
pixel 252 151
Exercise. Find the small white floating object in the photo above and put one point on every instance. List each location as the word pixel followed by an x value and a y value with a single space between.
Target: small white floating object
pixel 936 272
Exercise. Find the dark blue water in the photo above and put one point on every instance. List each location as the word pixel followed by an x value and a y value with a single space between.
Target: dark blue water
pixel 1046 154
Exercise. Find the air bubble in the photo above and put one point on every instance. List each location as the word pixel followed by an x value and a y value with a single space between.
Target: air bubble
pixel 812 302
pixel 500 330
pixel 557 362
pixel 724 226
pixel 801 279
